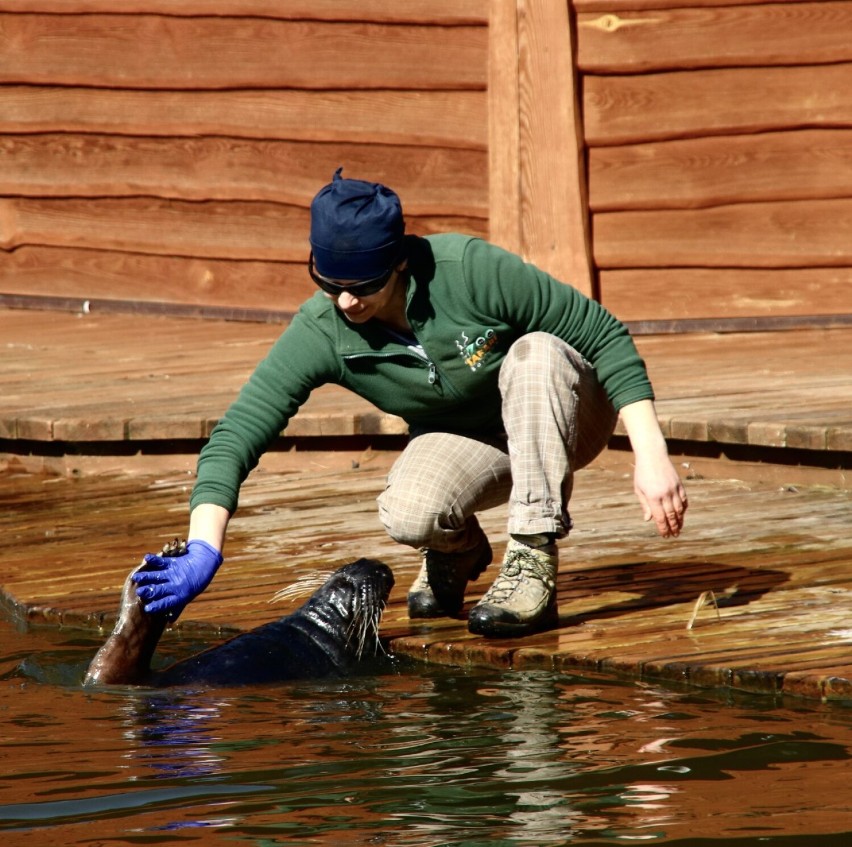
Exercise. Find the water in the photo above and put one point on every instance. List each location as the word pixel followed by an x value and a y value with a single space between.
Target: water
pixel 416 757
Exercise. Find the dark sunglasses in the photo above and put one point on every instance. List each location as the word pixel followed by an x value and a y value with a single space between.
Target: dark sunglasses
pixel 359 288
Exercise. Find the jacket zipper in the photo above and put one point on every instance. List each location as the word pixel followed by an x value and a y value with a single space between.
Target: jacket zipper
pixel 432 370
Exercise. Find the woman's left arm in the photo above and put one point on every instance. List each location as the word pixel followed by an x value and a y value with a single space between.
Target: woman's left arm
pixel 655 480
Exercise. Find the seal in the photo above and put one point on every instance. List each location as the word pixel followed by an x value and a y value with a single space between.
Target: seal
pixel 334 633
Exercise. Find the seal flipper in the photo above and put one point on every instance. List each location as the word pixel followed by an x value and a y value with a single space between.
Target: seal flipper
pixel 125 658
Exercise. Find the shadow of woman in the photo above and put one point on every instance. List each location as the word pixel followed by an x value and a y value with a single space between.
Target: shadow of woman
pixel 657 584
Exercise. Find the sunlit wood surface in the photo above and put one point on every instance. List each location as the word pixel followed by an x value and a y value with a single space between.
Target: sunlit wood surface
pixel 98 380
pixel 81 390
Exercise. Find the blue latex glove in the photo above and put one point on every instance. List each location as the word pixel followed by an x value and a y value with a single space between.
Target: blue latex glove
pixel 170 582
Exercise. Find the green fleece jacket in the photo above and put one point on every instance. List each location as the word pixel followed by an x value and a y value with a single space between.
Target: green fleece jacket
pixel 467 302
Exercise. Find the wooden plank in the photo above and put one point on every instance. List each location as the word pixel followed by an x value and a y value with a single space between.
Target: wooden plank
pixel 444 12
pixel 95 274
pixel 429 180
pixel 717 36
pixel 145 51
pixel 554 212
pixel 214 229
pixel 504 117
pixel 142 382
pixel 428 118
pixel 646 294
pixel 635 592
pixel 813 233
pixel 647 107
pixel 695 173
pixel 616 6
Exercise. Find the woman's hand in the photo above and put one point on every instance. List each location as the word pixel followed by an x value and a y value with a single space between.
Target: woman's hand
pixel 168 583
pixel 655 480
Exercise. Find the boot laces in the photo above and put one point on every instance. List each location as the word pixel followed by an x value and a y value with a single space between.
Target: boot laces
pixel 520 563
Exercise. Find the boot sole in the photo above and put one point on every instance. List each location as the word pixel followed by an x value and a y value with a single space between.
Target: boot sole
pixel 483 624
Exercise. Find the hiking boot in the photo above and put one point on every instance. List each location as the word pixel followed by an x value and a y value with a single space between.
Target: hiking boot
pixel 523 597
pixel 438 590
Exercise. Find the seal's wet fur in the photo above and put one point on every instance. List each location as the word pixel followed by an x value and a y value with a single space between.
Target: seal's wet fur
pixel 331 634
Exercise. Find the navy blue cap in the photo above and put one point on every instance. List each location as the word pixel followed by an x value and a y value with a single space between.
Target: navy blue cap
pixel 357 228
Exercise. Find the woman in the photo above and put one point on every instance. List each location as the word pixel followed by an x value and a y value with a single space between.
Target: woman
pixel 509 380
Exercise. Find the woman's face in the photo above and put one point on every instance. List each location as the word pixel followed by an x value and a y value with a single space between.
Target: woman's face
pixel 384 304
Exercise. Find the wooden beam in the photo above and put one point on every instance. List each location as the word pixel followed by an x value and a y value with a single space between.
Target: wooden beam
pixel 504 185
pixel 554 198
pixel 536 140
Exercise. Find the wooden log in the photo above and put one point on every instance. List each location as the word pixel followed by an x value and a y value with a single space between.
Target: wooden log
pixel 504 144
pixel 695 173
pixel 810 233
pixel 429 180
pixel 676 293
pixel 428 118
pixel 443 12
pixel 214 229
pixel 554 205
pixel 616 6
pixel 717 36
pixel 538 195
pixel 146 51
pixel 51 272
pixel 648 107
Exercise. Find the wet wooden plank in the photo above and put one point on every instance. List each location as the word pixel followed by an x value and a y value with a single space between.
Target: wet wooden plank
pixel 778 559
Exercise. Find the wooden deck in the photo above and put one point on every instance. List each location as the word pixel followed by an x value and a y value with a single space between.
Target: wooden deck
pixel 116 405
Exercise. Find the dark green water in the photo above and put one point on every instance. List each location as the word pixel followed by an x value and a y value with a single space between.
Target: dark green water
pixel 419 757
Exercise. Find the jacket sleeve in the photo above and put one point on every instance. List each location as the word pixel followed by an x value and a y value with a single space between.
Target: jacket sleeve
pixel 533 301
pixel 302 359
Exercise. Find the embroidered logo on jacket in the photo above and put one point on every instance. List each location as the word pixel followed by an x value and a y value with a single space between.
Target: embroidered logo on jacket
pixel 473 351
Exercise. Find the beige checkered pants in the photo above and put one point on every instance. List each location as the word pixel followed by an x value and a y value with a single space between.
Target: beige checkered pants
pixel 557 419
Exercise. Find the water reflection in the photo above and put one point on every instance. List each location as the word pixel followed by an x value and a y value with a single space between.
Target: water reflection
pixel 424 756
pixel 172 736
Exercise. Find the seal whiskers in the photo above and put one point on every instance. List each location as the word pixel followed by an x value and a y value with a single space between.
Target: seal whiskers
pixel 305 584
pixel 363 629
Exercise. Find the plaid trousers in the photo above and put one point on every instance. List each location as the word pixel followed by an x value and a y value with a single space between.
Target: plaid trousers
pixel 557 419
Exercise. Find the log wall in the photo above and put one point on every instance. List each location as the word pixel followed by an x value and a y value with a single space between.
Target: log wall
pixel 719 140
pixel 676 158
pixel 168 150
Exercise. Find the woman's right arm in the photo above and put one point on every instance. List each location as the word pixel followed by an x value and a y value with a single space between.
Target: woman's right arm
pixel 209 522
